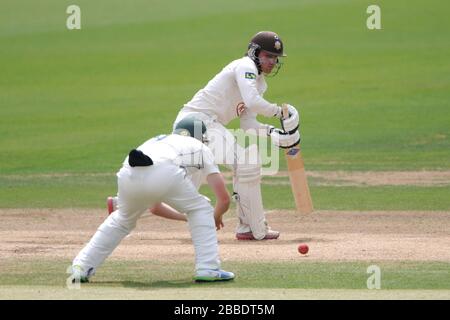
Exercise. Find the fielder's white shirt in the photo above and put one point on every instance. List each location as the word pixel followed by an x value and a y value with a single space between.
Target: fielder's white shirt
pixel 236 91
pixel 182 151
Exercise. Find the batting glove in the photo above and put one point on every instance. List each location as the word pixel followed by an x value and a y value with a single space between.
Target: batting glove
pixel 283 139
pixel 291 124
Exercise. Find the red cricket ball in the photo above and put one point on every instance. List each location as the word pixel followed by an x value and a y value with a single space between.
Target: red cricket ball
pixel 303 249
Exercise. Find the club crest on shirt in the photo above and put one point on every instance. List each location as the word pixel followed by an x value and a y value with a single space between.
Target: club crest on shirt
pixel 240 108
pixel 250 75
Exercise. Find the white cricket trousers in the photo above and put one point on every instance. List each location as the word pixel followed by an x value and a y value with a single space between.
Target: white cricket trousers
pixel 139 188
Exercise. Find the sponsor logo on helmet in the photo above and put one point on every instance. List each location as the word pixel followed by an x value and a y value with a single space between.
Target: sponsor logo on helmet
pixel 277 45
pixel 250 75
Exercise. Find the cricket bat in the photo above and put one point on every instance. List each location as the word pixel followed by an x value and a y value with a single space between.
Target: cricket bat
pixel 297 175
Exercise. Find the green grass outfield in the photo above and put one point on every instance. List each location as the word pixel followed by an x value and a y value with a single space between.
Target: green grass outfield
pixel 90 191
pixel 200 293
pixel 77 101
pixel 289 280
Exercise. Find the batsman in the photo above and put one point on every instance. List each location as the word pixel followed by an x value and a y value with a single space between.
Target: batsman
pixel 237 92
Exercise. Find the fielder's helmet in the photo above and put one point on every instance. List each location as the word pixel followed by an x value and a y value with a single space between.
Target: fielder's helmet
pixel 191 127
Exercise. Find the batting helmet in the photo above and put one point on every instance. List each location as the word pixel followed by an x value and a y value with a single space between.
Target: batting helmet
pixel 268 41
pixel 265 41
pixel 191 127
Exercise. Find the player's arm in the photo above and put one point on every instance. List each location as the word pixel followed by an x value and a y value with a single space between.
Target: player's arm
pixel 165 211
pixel 286 137
pixel 248 122
pixel 253 100
pixel 217 184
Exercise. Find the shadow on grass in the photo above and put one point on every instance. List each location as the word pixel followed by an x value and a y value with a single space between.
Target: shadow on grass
pixel 263 243
pixel 162 284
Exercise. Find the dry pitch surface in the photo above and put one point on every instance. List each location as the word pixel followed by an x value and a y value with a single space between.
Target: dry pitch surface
pixel 332 236
pixel 27 234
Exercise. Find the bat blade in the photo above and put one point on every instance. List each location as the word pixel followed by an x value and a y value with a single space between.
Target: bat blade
pixel 299 181
pixel 297 176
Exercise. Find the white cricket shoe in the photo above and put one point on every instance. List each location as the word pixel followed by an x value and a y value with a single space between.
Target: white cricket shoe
pixel 213 275
pixel 81 275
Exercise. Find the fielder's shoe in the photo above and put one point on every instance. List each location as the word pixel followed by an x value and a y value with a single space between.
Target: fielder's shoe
pixel 213 275
pixel 79 274
pixel 270 235
pixel 111 204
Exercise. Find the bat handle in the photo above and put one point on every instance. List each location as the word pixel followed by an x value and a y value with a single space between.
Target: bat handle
pixel 285 111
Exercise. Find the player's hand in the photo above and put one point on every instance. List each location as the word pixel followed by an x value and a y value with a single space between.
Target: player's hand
pixel 291 110
pixel 269 128
pixel 279 113
pixel 218 221
pixel 284 140
pixel 291 124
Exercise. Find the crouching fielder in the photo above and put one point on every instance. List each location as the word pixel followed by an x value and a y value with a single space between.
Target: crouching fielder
pixel 158 172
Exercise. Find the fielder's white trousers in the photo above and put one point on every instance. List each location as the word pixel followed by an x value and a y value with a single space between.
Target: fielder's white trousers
pixel 139 188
